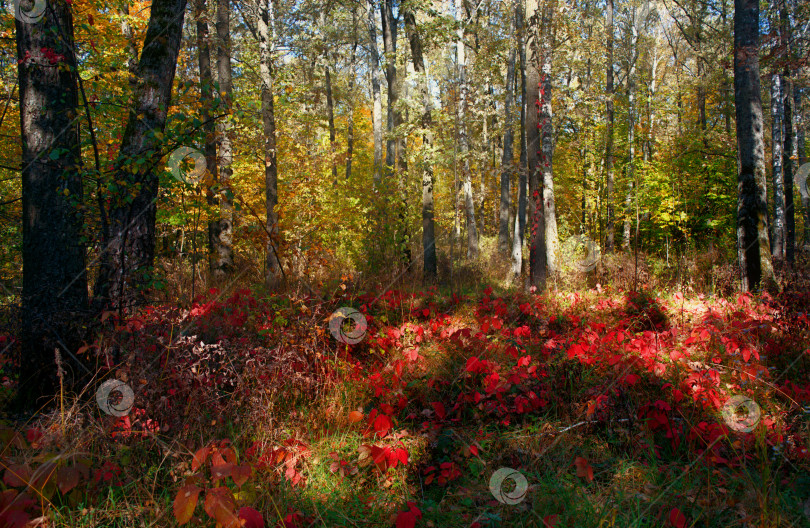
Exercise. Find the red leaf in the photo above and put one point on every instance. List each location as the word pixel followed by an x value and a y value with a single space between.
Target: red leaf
pixel 240 474
pixel 185 502
pixel 584 469
pixel 200 457
pixel 550 521
pixel 251 518
pixel 439 408
pixel 67 478
pixel 17 475
pixel 382 424
pixel 676 518
pixel 407 519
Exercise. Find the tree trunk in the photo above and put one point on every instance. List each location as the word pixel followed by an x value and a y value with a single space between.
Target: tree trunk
pixel 778 228
pixel 609 239
pixel 520 216
pixel 537 248
pixel 376 116
pixel 428 228
pixel 222 259
pixel 463 142
pixel 547 136
pixel 54 296
pixel 631 130
pixel 350 94
pixel 274 273
pixel 801 156
pixel 507 162
pixel 130 246
pixel 787 151
pixel 752 225
pixel 206 106
pixel 330 105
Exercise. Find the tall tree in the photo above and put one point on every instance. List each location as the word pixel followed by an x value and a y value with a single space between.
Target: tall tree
pixel 376 116
pixel 351 98
pixel 537 247
pixel 753 250
pixel 777 126
pixel 222 258
pixel 426 123
pixel 520 215
pixel 507 161
pixel 787 112
pixel 547 134
pixel 631 124
pixel 463 140
pixel 54 295
pixel 129 247
pixel 330 105
pixel 274 273
pixel 609 238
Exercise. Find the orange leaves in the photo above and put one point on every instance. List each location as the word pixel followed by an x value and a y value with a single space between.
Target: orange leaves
pixel 185 502
pixel 355 416
pixel 220 505
pixel 584 469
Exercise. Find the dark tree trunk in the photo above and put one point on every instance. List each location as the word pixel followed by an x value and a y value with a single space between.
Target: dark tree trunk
pixel 130 247
pixel 274 273
pixel 537 248
pixel 787 151
pixel 54 296
pixel 428 224
pixel 206 106
pixel 222 259
pixel 753 250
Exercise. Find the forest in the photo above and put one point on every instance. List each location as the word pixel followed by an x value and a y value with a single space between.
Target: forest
pixel 404 263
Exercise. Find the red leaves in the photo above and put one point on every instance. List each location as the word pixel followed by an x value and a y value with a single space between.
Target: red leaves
pixel 185 502
pixel 383 457
pixel 438 407
pixel 584 469
pixel 379 424
pixel 220 505
pixel 445 473
pixel 408 518
pixel 250 518
pixel 676 518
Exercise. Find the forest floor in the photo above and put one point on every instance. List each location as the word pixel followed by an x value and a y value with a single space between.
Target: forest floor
pixel 478 408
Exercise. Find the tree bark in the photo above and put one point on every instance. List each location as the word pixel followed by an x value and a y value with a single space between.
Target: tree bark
pixel 429 268
pixel 350 94
pixel 537 248
pixel 507 162
pixel 330 105
pixel 631 130
pixel 376 116
pixel 547 136
pixel 520 215
pixel 130 245
pixel 778 228
pixel 54 295
pixel 463 142
pixel 609 228
pixel 274 273
pixel 753 250
pixel 787 151
pixel 222 261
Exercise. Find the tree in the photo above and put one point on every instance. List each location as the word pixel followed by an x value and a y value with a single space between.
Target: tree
pixel 537 247
pixel 222 257
pixel 129 244
pixel 520 216
pixel 376 115
pixel 753 250
pixel 507 162
pixel 54 296
pixel 547 134
pixel 267 40
pixel 609 239
pixel 426 123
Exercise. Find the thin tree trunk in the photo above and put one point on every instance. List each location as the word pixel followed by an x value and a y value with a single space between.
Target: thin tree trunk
pixel 537 248
pixel 752 225
pixel 801 156
pixel 631 130
pixel 778 228
pixel 547 136
pixel 330 105
pixel 609 239
pixel 130 246
pixel 273 271
pixel 520 216
pixel 222 261
pixel 428 227
pixel 787 162
pixel 376 116
pixel 507 163
pixel 352 73
pixel 463 143
pixel 54 295
pixel 206 106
